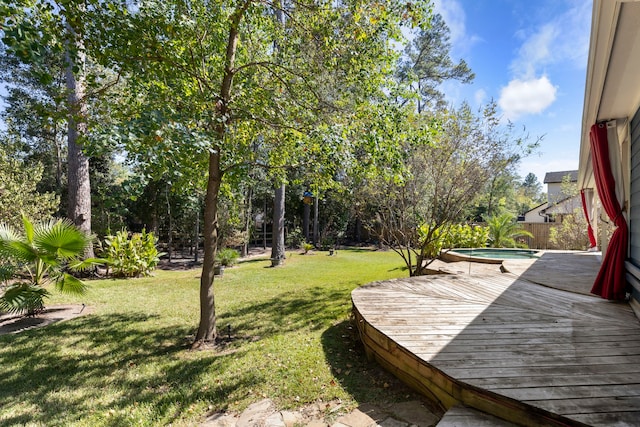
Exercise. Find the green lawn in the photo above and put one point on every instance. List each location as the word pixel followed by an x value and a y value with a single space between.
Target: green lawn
pixel 128 362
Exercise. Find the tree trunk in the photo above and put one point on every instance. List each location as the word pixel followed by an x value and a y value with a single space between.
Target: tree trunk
pixel 316 228
pixel 79 183
pixel 264 223
pixel 207 329
pixel 196 237
pixel 277 246
pixel 305 221
pixel 247 222
pixel 170 234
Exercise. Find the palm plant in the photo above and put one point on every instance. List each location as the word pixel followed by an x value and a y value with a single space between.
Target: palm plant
pixel 43 254
pixel 503 231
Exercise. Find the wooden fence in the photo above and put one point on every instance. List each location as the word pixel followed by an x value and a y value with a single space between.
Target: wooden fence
pixel 540 231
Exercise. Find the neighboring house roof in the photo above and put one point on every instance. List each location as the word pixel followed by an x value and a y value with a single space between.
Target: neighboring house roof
pixel 553 177
pixel 564 206
pixel 537 207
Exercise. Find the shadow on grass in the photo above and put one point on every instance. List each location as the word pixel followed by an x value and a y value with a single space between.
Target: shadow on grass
pixel 312 309
pixel 366 381
pixel 100 367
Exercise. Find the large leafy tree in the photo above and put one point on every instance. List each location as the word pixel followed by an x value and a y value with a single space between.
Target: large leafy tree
pixel 49 39
pixel 206 83
pixel 34 114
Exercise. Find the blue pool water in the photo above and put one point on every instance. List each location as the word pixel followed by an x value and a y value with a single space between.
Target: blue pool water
pixel 498 253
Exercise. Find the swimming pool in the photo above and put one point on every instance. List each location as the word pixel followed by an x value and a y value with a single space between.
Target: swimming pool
pixel 488 255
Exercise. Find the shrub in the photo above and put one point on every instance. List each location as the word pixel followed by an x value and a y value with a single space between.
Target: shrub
pixel 227 257
pixel 306 247
pixel 504 231
pixel 466 236
pixel 295 238
pixel 572 233
pixel 43 254
pixel 131 257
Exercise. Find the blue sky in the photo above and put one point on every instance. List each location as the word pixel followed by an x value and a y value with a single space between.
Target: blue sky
pixel 530 56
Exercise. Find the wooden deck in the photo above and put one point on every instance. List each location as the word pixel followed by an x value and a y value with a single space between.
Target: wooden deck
pixel 526 353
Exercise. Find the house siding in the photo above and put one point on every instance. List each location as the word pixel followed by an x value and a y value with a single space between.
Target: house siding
pixel 634 196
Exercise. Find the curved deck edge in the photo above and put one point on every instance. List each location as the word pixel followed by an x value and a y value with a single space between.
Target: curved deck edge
pixel 436 385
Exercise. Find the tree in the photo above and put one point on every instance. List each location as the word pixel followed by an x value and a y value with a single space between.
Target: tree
pixel 427 64
pixel 40 255
pixel 531 186
pixel 211 75
pixel 34 114
pixel 18 192
pixel 39 33
pixel 449 160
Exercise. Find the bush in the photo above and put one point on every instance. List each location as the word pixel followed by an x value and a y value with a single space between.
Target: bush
pixel 295 239
pixel 571 234
pixel 43 254
pixel 131 257
pixel 227 257
pixel 466 236
pixel 306 247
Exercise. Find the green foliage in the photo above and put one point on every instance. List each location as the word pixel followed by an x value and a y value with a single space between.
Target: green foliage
pixel 466 236
pixel 428 63
pixel 450 156
pixel 571 234
pixel 18 188
pixel 306 247
pixel 295 239
pixel 133 256
pixel 504 231
pixel 227 257
pixel 453 236
pixel 40 255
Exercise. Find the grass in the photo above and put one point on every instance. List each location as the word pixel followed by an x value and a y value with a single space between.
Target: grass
pixel 128 362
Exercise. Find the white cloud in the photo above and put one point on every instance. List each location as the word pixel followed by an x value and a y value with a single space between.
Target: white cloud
pixel 455 18
pixel 536 51
pixel 560 42
pixel 565 38
pixel 480 96
pixel 527 96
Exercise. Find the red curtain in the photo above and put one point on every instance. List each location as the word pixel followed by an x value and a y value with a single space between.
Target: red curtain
pixel 610 282
pixel 592 237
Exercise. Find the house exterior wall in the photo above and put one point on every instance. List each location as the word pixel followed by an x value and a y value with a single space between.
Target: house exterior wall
pixel 534 215
pixel 634 196
pixel 554 192
pixel 633 265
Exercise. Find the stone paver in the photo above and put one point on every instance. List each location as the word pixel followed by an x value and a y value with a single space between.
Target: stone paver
pixel 358 418
pixel 291 418
pixel 415 413
pixel 265 414
pixel 274 420
pixel 392 422
pixel 256 414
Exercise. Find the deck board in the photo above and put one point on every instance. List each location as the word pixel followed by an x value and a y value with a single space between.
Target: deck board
pixel 569 358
